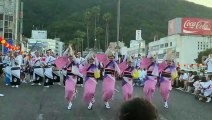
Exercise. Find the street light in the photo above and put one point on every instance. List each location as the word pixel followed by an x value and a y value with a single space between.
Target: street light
pixel 95 43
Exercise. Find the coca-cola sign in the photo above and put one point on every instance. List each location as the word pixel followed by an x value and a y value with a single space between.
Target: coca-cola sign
pixel 196 26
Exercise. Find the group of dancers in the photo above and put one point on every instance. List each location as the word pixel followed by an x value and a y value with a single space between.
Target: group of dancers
pixel 46 71
pixel 89 70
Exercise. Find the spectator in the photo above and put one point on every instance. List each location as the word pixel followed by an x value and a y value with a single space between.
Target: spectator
pixel 138 109
pixel 142 77
pixel 176 80
pixel 183 80
pixel 191 81
pixel 206 89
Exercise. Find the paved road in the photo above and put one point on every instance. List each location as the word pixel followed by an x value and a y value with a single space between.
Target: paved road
pixel 38 103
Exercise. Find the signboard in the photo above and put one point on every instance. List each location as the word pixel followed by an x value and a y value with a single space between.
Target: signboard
pixel 196 26
pixel 39 34
pixel 138 35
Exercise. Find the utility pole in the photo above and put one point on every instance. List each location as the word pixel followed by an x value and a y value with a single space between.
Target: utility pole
pixel 118 21
pixel 21 25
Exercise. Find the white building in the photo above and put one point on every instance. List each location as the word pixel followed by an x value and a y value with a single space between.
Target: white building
pixel 134 48
pixel 186 48
pixel 39 34
pixel 44 44
pixel 187 37
pixel 11 18
pixel 40 42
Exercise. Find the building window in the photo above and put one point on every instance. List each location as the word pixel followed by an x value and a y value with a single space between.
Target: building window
pixel 177 54
pixel 166 44
pixel 162 45
pixel 1 16
pixel 170 43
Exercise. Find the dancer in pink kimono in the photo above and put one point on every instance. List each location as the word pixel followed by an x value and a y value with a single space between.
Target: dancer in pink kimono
pixel 127 75
pixel 70 63
pixel 110 67
pixel 167 68
pixel 151 66
pixel 90 65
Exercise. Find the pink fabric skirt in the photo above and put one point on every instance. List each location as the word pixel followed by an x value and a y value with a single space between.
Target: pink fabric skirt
pixel 108 88
pixel 165 88
pixel 89 90
pixel 149 89
pixel 127 91
pixel 70 89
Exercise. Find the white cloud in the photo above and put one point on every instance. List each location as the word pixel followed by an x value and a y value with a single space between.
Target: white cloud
pixel 207 3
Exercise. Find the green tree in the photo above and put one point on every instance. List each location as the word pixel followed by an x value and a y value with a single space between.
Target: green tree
pixel 202 54
pixel 79 38
pixel 107 18
pixel 99 32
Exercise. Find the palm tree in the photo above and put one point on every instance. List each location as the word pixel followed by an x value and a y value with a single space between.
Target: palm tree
pixel 87 16
pixel 96 13
pixel 99 31
pixel 79 37
pixel 107 17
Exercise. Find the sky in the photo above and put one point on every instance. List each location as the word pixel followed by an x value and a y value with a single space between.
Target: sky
pixel 207 3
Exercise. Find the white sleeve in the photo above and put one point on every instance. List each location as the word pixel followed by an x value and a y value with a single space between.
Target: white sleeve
pixel 66 52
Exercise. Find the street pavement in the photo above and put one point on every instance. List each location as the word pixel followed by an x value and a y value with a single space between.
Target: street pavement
pixel 39 103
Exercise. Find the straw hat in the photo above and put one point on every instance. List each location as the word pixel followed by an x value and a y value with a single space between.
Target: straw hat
pixel 91 55
pixel 129 59
pixel 210 56
pixel 110 53
pixel 169 55
pixel 153 54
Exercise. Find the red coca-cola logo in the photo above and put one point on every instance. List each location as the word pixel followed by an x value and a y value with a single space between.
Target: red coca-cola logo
pixel 199 25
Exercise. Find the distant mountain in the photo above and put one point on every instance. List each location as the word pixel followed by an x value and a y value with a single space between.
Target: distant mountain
pixel 62 18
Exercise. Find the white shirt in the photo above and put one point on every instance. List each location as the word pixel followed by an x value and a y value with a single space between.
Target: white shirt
pixel 137 62
pixel 185 76
pixel 36 61
pixel 80 60
pixel 209 64
pixel 142 74
pixel 49 60
pixel 7 60
pixel 18 60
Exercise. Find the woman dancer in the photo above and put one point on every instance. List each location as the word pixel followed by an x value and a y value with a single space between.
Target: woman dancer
pixel 88 70
pixel 110 67
pixel 167 68
pixel 151 66
pixel 127 82
pixel 71 78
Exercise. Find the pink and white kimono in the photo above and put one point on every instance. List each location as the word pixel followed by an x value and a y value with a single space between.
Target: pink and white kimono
pixel 71 80
pixel 71 76
pixel 127 82
pixel 110 67
pixel 151 79
pixel 109 79
pixel 165 79
pixel 90 81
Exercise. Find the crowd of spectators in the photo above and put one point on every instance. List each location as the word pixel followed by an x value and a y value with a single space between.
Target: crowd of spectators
pixel 199 84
